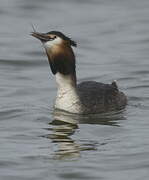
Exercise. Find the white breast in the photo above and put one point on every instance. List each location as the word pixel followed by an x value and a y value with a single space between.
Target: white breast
pixel 67 98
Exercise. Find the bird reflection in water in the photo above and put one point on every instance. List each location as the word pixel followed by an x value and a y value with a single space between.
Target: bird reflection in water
pixel 64 125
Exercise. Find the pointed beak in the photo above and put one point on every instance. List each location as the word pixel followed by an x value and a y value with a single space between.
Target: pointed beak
pixel 41 36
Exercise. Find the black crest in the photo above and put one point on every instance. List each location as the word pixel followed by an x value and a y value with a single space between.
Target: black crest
pixel 61 35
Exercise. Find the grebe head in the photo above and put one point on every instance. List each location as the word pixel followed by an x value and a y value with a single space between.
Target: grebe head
pixel 59 51
pixel 53 38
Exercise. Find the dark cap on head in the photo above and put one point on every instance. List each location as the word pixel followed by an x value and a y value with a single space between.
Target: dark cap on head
pixel 61 35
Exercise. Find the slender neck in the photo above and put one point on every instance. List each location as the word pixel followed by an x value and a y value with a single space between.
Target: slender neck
pixel 65 82
pixel 62 59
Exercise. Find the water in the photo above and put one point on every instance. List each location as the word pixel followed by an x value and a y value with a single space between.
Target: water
pixel 113 43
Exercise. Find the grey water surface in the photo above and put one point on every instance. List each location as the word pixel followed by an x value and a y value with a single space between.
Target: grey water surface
pixel 113 44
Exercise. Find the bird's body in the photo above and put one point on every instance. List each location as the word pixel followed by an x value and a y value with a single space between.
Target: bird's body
pixel 88 97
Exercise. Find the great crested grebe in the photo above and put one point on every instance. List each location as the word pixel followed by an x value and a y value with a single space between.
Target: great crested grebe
pixel 88 97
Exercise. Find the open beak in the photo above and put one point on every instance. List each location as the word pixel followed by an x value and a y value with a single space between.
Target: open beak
pixel 41 36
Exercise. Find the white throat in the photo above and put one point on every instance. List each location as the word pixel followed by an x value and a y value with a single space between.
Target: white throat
pixel 50 44
pixel 67 98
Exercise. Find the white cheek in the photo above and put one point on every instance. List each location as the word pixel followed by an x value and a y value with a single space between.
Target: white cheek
pixel 49 44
